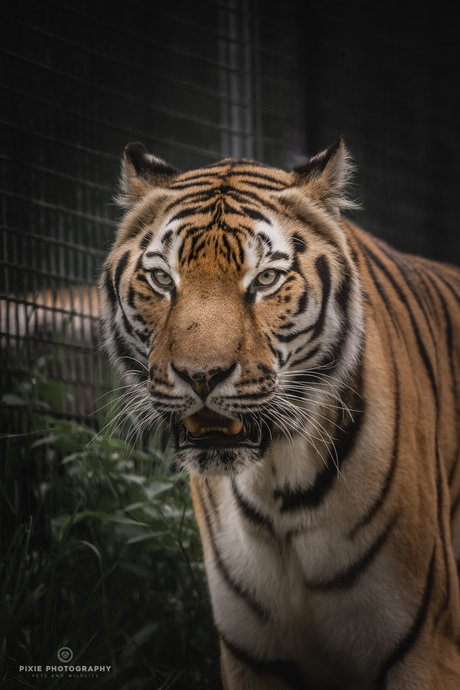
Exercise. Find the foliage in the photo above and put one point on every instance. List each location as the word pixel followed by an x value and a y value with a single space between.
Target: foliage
pixel 104 556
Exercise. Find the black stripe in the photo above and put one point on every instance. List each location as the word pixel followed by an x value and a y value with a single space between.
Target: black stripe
pixel 450 349
pixel 276 184
pixel 299 244
pixel 197 245
pixel 253 291
pixel 333 357
pixel 347 578
pixel 382 292
pixel 443 279
pixel 200 180
pixel 144 336
pixel 110 292
pixel 143 298
pixel 212 501
pixel 259 185
pixel 236 588
pixel 131 295
pixel 456 296
pixel 309 355
pixel 256 215
pixel 353 252
pixel 195 197
pixel 406 274
pixel 286 670
pixel 289 324
pixel 250 513
pixel 150 255
pixel 278 256
pixel 211 185
pixel 139 266
pixel 193 211
pixel 342 296
pixel 454 506
pixel 245 396
pixel 292 336
pixel 165 240
pixel 430 278
pixel 407 642
pixel 322 267
pixel 143 279
pixel 262 237
pixel 123 262
pixel 252 196
pixel 403 297
pixel 164 396
pixel 379 502
pixel 210 172
pixel 312 497
pixel 145 241
pixel 123 352
pixel 442 534
pixel 226 244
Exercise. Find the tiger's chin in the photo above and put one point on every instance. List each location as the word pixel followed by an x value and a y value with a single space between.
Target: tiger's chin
pixel 208 445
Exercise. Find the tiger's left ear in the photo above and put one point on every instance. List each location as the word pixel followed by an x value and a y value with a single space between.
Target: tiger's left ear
pixel 326 176
pixel 141 171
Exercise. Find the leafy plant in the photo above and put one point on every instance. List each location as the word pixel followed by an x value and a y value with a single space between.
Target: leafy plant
pixel 101 555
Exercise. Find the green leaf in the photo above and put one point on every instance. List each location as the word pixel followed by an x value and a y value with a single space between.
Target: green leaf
pixel 111 518
pixel 157 487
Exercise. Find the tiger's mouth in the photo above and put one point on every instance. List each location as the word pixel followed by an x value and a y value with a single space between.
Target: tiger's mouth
pixel 207 429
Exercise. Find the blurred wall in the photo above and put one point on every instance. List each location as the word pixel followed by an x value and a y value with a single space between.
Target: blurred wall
pixel 386 76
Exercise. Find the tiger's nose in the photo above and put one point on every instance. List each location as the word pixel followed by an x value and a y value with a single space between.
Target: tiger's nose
pixel 203 382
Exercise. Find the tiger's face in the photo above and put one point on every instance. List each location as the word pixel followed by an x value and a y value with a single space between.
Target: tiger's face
pixel 227 295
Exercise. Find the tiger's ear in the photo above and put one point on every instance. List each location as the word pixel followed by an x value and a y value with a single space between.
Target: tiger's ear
pixel 326 176
pixel 140 172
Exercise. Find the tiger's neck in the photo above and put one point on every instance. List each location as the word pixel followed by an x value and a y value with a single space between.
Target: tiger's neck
pixel 312 475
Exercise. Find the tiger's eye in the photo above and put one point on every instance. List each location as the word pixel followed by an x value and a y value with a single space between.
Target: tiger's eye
pixel 162 278
pixel 267 277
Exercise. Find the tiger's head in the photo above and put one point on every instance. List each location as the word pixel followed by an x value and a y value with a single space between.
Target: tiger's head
pixel 230 300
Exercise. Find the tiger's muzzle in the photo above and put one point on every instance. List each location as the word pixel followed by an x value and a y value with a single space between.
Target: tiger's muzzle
pixel 204 382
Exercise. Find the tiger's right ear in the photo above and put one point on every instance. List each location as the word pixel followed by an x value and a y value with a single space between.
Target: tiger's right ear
pixel 326 177
pixel 140 172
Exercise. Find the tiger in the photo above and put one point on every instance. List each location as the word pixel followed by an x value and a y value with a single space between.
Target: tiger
pixel 310 377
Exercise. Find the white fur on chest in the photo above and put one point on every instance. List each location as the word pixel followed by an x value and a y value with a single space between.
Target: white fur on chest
pixel 321 630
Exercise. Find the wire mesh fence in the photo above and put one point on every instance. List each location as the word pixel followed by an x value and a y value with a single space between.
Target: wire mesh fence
pixel 193 83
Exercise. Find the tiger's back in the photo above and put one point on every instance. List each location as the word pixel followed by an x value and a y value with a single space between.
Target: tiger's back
pixel 310 376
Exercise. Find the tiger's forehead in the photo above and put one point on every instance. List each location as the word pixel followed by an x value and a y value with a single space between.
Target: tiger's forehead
pixel 237 190
pixel 227 212
pixel 226 238
pixel 235 174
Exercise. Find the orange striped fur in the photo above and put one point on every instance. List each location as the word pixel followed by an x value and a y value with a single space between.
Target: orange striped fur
pixel 310 375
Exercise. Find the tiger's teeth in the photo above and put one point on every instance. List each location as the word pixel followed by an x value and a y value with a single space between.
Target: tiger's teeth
pixel 235 426
pixel 191 425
